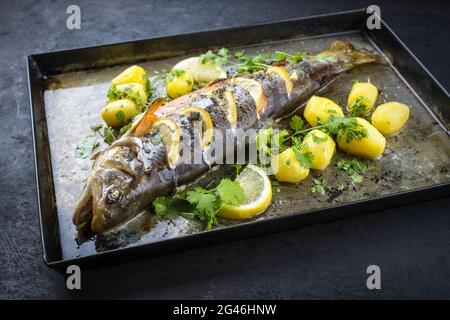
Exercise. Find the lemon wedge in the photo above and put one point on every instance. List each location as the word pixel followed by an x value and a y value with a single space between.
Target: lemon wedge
pixel 255 89
pixel 170 137
pixel 281 72
pixel 202 72
pixel 258 194
pixel 207 124
pixel 231 108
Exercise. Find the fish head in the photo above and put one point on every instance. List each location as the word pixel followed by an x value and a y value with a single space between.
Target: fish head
pixel 110 189
pixel 126 177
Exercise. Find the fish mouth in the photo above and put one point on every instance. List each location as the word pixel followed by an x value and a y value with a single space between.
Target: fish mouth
pixel 83 211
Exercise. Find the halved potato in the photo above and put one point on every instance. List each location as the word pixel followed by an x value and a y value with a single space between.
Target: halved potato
pixel 390 117
pixel 370 146
pixel 319 109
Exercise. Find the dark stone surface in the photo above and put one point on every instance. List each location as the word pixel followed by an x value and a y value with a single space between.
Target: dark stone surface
pixel 411 244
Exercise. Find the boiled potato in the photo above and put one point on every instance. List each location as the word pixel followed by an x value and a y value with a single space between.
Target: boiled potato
pixel 321 146
pixel 132 91
pixel 362 98
pixel 201 72
pixel 119 112
pixel 179 82
pixel 287 168
pixel 319 109
pixel 390 117
pixel 370 146
pixel 133 74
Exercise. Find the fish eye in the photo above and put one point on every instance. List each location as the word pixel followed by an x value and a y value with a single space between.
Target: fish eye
pixel 113 195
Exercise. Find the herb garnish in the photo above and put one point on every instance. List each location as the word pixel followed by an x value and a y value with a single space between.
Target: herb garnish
pixel 200 203
pixel 318 187
pixel 354 169
pixel 358 107
pixel 109 135
pixel 86 146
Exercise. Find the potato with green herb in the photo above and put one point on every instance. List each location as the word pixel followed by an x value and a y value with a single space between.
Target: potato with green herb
pixel 362 98
pixel 179 82
pixel 321 146
pixel 361 139
pixel 318 110
pixel 132 91
pixel 390 117
pixel 287 168
pixel 119 112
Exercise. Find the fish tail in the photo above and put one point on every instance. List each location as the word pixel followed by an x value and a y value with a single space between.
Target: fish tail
pixel 348 56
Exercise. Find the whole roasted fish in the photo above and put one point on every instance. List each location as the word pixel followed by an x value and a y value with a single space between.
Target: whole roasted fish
pixel 147 162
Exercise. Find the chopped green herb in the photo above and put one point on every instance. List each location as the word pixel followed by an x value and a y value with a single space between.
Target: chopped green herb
pixel 318 139
pixel 124 129
pixel 96 127
pixel 289 58
pixel 296 123
pixel 86 146
pixel 318 187
pixel 220 58
pixel 354 169
pixel 200 203
pixel 305 158
pixel 359 107
pixel 175 73
pixel 120 115
pixel 109 135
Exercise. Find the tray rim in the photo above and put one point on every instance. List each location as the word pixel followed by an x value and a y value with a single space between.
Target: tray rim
pixel 229 232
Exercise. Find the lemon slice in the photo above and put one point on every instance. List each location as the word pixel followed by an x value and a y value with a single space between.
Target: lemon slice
pixel 256 91
pixel 281 72
pixel 258 194
pixel 207 125
pixel 202 72
pixel 231 108
pixel 170 137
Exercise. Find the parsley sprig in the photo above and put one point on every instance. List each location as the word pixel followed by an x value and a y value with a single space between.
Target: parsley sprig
pixel 270 142
pixel 248 64
pixel 200 203
pixel 354 169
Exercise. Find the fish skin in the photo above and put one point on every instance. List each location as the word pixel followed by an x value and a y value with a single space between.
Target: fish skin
pixel 128 175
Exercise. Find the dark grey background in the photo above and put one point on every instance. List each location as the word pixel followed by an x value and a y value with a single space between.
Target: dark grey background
pixel 410 244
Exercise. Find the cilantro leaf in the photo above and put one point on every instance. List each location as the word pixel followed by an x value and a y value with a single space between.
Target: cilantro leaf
pixel 305 158
pixel 318 139
pixel 318 187
pixel 359 107
pixel 231 192
pixel 108 135
pixel 354 169
pixel 296 123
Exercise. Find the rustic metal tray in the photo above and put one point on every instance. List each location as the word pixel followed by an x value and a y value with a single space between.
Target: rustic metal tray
pixel 71 85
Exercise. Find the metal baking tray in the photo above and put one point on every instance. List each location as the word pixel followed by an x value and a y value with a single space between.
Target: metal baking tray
pixel 69 87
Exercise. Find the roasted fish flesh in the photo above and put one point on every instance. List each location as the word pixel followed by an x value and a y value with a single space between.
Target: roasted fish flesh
pixel 150 159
